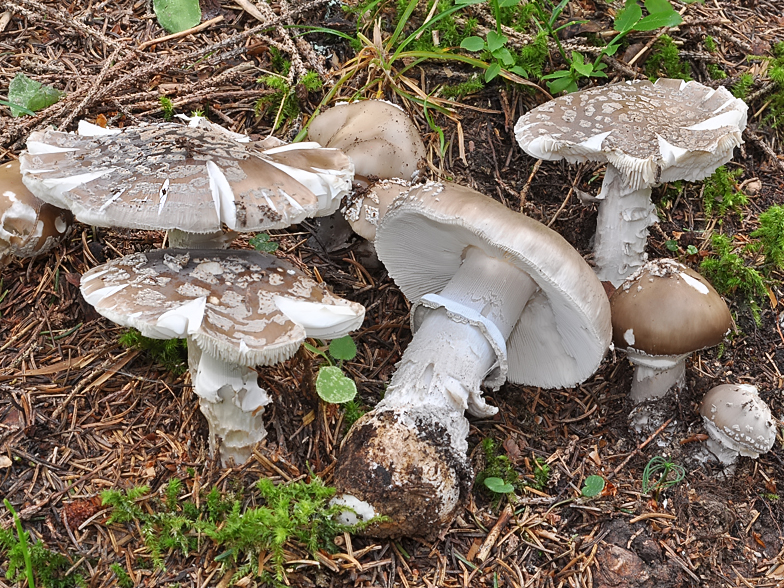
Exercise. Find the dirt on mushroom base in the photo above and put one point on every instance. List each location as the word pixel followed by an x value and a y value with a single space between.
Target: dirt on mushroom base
pixel 161 435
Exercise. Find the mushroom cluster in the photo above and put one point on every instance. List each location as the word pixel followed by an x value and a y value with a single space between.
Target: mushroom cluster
pixel 648 134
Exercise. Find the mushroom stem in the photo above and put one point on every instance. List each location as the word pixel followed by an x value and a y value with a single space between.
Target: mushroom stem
pixel 621 227
pixel 650 383
pixel 231 401
pixel 407 457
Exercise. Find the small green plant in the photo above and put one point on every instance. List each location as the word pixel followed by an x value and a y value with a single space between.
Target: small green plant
pixel 743 85
pixel 283 100
pixel 660 474
pixel 352 412
pixel 167 106
pixel 262 242
pixel 710 44
pixel 771 235
pixel 177 15
pixel 123 579
pixel 34 562
pixel 628 19
pixel 471 86
pixel 172 354
pixel 592 486
pixel 332 384
pixel 720 193
pixel 498 486
pixel 665 61
pixel 26 96
pixel 541 474
pixel 715 72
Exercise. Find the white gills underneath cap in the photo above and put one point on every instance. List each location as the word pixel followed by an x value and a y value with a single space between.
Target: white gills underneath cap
pixel 196 180
pixel 482 279
pixel 648 134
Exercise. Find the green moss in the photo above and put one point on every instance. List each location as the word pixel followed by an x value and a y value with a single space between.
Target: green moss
pixel 665 62
pixel 171 354
pixel 715 72
pixel 771 235
pixel 470 86
pixel 710 44
pixel 743 85
pixel 720 193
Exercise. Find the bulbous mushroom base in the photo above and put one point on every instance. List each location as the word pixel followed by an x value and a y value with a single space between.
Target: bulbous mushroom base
pixel 402 463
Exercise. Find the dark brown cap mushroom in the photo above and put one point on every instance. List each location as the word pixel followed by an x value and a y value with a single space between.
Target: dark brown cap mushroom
pixel 237 309
pixel 28 226
pixel 661 314
pixel 648 134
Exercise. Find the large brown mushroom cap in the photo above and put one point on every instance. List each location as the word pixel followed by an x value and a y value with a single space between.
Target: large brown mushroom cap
pixel 242 307
pixel 28 226
pixel 665 131
pixel 377 135
pixel 193 179
pixel 668 309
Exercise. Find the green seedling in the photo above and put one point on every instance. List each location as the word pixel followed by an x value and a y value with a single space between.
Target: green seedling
pixel 262 242
pixel 498 486
pixel 660 474
pixel 332 384
pixel 26 96
pixel 592 486
pixel 167 107
pixel 177 15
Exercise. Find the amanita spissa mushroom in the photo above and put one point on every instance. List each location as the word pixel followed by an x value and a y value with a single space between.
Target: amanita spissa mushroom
pixel 237 309
pixel 190 180
pixel 28 226
pixel 648 134
pixel 495 296
pixel 738 422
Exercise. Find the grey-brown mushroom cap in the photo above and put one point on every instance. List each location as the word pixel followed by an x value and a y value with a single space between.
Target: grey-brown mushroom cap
pixel 736 416
pixel 28 226
pixel 242 307
pixel 170 176
pixel 379 137
pixel 564 330
pixel 666 131
pixel 666 308
pixel 365 208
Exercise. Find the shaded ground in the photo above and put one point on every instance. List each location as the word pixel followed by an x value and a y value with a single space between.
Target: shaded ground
pixel 80 414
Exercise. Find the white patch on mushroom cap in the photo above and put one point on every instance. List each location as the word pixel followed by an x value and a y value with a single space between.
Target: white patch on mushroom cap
pixel 318 319
pixel 696 284
pixel 628 336
pixel 181 321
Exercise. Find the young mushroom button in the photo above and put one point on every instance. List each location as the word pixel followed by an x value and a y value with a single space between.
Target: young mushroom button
pixel 648 134
pixel 495 296
pixel 28 226
pixel 237 309
pixel 191 180
pixel 738 422
pixel 661 314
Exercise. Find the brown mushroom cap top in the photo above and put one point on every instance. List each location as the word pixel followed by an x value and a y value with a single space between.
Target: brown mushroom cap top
pixel 665 131
pixel 240 306
pixel 666 308
pixel 28 226
pixel 378 136
pixel 194 179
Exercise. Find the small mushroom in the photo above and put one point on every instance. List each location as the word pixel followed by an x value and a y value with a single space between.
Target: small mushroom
pixel 738 422
pixel 237 309
pixel 495 296
pixel 191 180
pixel 377 135
pixel 28 226
pixel 648 134
pixel 661 314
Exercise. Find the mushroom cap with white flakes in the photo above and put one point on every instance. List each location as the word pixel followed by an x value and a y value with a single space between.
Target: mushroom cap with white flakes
pixel 242 307
pixel 378 137
pixel 193 179
pixel 652 132
pixel 364 209
pixel 564 330
pixel 735 416
pixel 28 226
pixel 668 309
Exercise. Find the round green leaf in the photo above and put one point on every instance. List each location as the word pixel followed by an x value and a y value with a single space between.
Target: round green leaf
pixel 498 486
pixel 177 15
pixel 492 71
pixel 593 485
pixel 472 43
pixel 343 348
pixel 333 386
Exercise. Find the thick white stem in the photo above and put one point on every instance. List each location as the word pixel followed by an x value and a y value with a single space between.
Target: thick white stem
pixel 231 401
pixel 621 228
pixel 448 358
pixel 650 382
